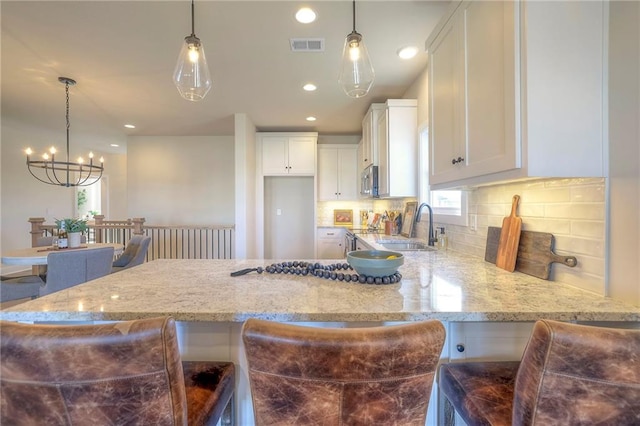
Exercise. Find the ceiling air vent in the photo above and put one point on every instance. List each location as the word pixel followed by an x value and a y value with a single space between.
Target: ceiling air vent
pixel 307 44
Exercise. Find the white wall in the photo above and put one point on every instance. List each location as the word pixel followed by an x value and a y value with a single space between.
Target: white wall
pixel 22 196
pixel 174 180
pixel 245 178
pixel 624 154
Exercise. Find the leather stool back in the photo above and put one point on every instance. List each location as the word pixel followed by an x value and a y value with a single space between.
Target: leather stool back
pixel 310 376
pixel 120 373
pixel 569 375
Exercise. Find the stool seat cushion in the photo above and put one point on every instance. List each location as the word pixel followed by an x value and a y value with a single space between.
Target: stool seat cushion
pixel 209 386
pixel 481 392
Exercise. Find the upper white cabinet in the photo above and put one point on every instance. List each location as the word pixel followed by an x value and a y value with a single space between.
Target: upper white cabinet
pixel 397 146
pixel 508 100
pixel 368 148
pixel 288 154
pixel 337 172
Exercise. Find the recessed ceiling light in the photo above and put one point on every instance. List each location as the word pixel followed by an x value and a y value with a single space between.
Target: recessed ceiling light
pixel 305 15
pixel 129 126
pixel 408 52
pixel 115 145
pixel 311 118
pixel 309 87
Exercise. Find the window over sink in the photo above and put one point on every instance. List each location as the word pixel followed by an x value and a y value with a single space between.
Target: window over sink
pixel 449 206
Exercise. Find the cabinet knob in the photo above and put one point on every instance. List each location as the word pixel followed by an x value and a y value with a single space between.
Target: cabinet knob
pixel 460 347
pixel 457 160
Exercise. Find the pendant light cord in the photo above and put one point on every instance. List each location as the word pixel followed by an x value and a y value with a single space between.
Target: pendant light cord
pixel 66 87
pixel 193 19
pixel 354 16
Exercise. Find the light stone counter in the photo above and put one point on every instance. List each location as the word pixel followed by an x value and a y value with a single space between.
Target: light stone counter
pixel 442 285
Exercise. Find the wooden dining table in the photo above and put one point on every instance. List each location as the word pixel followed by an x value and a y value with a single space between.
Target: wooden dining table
pixel 38 255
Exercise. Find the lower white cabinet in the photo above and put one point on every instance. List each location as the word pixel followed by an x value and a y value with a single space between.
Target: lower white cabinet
pixel 487 341
pixel 330 243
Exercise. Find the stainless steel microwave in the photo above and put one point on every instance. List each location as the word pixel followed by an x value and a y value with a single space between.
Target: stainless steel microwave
pixel 369 182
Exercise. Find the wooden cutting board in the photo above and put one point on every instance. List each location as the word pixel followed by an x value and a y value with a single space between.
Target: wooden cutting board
pixel 493 240
pixel 535 252
pixel 509 239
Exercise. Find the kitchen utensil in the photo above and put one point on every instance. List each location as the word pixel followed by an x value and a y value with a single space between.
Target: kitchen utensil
pixel 493 240
pixel 535 255
pixel 535 252
pixel 509 239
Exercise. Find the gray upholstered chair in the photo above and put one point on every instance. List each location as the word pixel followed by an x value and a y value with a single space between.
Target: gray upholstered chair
pixel 134 253
pixel 126 372
pixel 569 375
pixel 303 375
pixel 20 288
pixel 66 268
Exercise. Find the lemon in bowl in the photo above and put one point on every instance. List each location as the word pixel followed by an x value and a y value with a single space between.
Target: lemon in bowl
pixel 375 263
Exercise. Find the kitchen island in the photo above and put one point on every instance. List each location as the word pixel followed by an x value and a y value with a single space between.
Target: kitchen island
pixel 468 294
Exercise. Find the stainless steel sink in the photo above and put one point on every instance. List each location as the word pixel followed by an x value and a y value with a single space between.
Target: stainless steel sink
pixel 407 246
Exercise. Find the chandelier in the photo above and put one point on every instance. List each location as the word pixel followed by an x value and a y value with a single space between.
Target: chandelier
pixel 64 173
pixel 191 75
pixel 356 73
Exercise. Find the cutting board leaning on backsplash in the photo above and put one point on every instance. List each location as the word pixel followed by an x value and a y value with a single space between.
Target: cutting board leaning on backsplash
pixel 535 252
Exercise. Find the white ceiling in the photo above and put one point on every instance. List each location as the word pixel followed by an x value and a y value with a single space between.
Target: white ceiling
pixel 122 54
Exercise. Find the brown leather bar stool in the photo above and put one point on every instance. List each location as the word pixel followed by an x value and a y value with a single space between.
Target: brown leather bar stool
pixel 127 372
pixel 569 375
pixel 341 376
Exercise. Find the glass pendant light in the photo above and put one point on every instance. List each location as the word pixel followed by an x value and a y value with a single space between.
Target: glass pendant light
pixel 191 75
pixel 356 74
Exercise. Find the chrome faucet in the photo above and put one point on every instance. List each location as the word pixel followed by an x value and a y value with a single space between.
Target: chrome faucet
pixel 432 238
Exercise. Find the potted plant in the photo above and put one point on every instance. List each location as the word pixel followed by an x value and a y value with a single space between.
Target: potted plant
pixel 70 232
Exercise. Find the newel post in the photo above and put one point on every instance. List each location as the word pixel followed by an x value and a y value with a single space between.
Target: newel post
pixel 98 230
pixel 36 229
pixel 138 223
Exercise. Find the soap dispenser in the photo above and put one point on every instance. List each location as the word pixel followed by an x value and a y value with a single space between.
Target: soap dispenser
pixel 442 240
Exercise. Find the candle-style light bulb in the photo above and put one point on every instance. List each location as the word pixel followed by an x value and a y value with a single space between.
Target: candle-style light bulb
pixel 28 151
pixel 52 150
pixel 80 160
pixel 45 156
pixel 90 154
pixel 102 159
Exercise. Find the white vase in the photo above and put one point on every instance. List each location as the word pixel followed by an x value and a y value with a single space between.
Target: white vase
pixel 74 239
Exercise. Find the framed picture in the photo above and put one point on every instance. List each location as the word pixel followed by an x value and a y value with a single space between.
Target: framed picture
pixel 408 218
pixel 343 217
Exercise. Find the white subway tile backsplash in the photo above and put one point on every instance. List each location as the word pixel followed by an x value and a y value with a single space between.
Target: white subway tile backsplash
pixel 573 210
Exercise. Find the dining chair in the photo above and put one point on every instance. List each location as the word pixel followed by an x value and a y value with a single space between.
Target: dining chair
pixel 301 375
pixel 569 374
pixel 133 255
pixel 67 268
pixel 24 287
pixel 127 372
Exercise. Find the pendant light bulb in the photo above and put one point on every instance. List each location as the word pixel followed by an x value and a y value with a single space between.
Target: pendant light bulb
pixel 356 73
pixel 191 75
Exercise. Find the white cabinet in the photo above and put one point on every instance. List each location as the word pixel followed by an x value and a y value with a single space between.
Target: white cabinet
pixel 368 149
pixel 510 101
pixel 331 243
pixel 472 103
pixel 397 146
pixel 362 245
pixel 487 341
pixel 284 154
pixel 337 172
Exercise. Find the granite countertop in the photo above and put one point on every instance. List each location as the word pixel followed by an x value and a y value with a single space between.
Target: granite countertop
pixel 444 285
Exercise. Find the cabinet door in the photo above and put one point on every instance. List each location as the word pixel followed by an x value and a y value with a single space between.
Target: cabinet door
pixel 383 154
pixel 302 156
pixel 367 134
pixel 446 58
pixel 490 88
pixel 274 155
pixel 347 173
pixel 331 243
pixel 327 174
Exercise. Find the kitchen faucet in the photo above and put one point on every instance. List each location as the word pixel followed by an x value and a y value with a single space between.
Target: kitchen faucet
pixel 432 239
